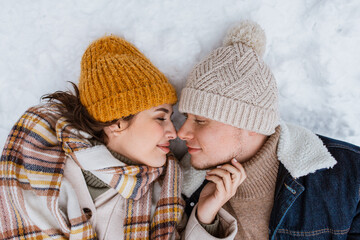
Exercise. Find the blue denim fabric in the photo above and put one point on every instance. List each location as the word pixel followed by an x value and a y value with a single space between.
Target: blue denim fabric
pixel 320 205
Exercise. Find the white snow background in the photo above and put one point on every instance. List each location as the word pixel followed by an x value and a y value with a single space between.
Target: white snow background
pixel 313 49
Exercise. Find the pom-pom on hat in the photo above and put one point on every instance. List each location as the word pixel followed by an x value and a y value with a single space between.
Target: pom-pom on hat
pixel 248 33
pixel 233 85
pixel 117 80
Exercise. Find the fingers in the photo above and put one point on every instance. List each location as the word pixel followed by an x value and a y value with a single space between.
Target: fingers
pixel 223 185
pixel 223 175
pixel 238 174
pixel 239 167
pixel 218 182
pixel 232 176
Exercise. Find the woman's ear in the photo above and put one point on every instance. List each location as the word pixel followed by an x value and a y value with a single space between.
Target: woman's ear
pixel 116 128
pixel 109 130
pixel 122 125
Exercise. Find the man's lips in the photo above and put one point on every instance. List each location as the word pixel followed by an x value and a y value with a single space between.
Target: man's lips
pixel 193 149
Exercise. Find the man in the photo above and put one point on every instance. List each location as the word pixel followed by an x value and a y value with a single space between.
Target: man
pixel 298 186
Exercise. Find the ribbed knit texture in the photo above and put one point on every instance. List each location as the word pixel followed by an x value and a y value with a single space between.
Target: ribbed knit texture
pixel 261 170
pixel 254 198
pixel 117 80
pixel 95 186
pixel 214 228
pixel 92 181
pixel 233 85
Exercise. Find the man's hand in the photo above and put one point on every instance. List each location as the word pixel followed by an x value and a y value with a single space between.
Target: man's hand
pixel 223 184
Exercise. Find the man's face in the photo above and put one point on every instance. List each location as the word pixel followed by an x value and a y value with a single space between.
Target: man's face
pixel 212 143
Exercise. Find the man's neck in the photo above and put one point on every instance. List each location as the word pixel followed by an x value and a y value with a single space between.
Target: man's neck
pixel 252 147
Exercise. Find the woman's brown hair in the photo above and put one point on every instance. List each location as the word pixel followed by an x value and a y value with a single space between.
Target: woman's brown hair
pixel 76 114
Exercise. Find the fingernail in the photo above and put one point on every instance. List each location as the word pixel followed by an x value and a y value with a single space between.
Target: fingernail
pixel 219 166
pixel 235 160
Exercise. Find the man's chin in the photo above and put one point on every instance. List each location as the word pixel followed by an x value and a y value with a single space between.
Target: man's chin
pixel 197 166
pixel 205 164
pixel 203 168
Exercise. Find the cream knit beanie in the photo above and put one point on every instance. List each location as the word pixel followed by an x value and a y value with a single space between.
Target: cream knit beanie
pixel 233 85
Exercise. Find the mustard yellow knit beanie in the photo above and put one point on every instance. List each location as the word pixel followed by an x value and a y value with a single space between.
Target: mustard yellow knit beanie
pixel 117 80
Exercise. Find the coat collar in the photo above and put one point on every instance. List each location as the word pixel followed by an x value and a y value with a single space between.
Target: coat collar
pixel 299 150
pixel 97 157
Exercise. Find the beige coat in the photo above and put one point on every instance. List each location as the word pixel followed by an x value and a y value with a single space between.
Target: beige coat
pixel 107 212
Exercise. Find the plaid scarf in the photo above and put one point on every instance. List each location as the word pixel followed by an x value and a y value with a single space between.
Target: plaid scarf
pixel 31 171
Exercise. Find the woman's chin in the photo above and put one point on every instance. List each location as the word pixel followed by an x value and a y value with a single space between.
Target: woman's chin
pixel 158 162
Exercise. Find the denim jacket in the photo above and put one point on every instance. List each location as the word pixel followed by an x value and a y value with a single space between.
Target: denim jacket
pixel 317 190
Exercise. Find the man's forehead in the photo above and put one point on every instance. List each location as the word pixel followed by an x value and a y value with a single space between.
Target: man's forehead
pixel 195 116
pixel 209 120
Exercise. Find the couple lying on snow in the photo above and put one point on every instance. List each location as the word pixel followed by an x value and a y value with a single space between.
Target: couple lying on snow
pixel 96 163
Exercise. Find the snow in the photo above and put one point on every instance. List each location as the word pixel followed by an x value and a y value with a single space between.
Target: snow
pixel 313 49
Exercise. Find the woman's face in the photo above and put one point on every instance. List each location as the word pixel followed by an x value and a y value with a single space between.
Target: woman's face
pixel 145 138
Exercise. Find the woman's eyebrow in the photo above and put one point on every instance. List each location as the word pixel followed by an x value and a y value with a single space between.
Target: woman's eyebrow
pixel 162 110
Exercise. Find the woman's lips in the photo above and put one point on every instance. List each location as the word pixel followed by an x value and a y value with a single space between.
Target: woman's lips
pixel 165 148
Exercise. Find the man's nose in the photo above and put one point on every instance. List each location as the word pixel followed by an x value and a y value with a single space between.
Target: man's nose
pixel 185 132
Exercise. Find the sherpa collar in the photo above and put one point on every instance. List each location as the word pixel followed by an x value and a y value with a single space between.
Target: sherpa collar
pixel 299 150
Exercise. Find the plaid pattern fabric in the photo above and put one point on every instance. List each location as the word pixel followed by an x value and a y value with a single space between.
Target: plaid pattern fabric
pixel 135 184
pixel 31 172
pixel 168 212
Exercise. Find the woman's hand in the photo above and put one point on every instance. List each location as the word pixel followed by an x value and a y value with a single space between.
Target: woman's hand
pixel 223 184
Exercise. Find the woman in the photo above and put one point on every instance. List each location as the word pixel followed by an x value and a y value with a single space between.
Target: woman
pixel 95 164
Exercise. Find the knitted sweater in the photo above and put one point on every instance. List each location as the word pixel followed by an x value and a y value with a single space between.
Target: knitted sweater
pixel 254 198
